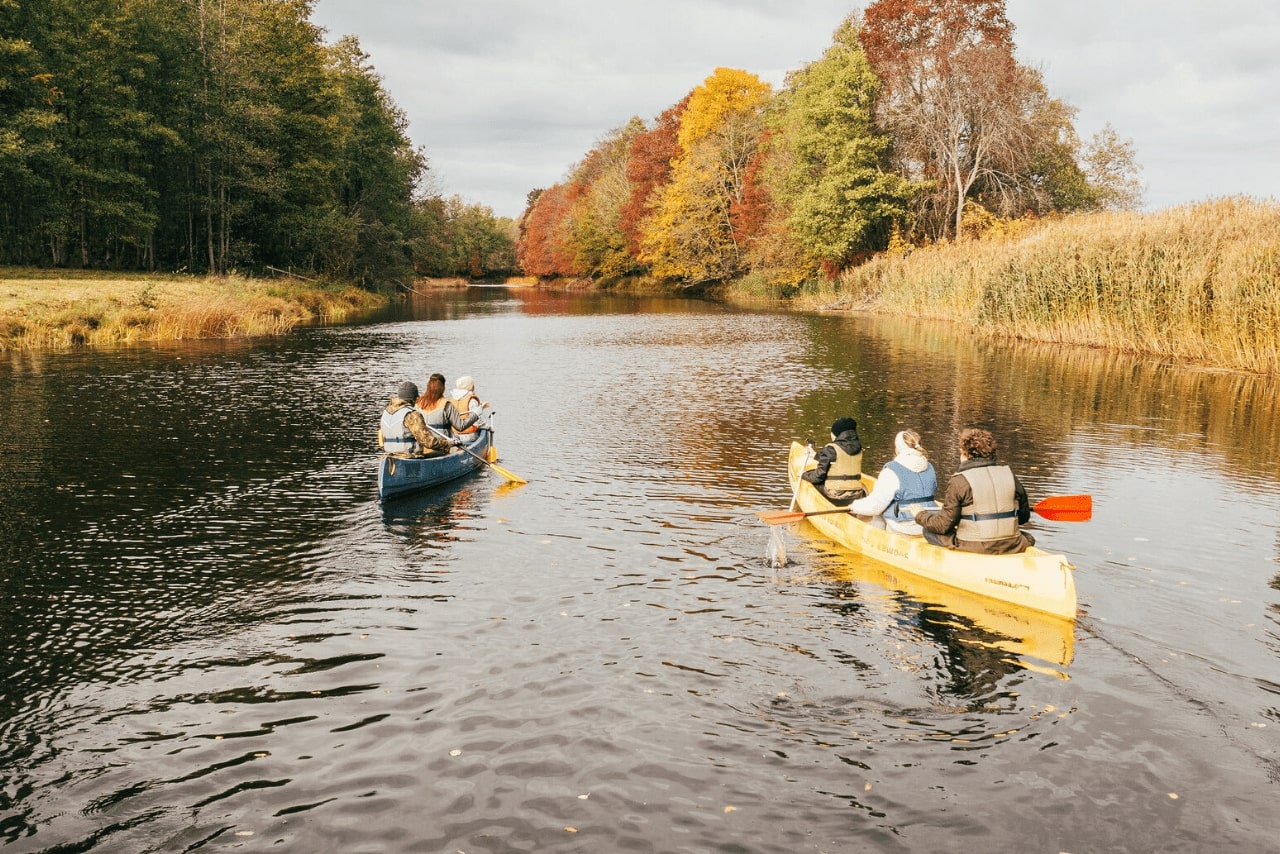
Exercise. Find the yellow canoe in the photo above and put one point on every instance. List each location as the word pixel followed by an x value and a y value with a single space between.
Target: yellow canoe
pixel 1030 639
pixel 1034 579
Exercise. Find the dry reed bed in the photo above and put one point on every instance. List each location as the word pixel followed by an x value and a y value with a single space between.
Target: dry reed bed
pixel 1198 283
pixel 44 310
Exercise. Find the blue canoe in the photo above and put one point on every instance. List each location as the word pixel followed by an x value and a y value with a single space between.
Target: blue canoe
pixel 400 475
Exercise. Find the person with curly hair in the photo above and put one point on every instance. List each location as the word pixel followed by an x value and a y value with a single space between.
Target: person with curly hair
pixel 984 504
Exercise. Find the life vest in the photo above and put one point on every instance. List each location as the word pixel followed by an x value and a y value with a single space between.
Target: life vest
pixel 463 405
pixel 845 472
pixel 914 487
pixel 993 515
pixel 436 417
pixel 396 437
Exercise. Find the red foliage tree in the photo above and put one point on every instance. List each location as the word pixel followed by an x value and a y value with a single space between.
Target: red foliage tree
pixel 650 168
pixel 749 212
pixel 897 33
pixel 541 250
pixel 960 108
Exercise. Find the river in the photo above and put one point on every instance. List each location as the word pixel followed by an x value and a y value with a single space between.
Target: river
pixel 217 638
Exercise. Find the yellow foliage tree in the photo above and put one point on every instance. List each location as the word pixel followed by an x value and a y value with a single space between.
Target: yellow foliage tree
pixel 690 236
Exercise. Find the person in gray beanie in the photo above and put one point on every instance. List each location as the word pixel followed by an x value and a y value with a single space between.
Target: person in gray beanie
pixel 403 430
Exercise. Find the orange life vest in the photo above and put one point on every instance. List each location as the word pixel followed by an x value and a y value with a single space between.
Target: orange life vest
pixel 464 408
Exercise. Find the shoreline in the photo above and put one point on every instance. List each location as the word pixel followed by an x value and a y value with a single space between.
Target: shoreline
pixel 68 309
pixel 1190 287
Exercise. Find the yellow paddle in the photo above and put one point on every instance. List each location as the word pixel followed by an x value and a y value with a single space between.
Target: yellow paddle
pixel 509 475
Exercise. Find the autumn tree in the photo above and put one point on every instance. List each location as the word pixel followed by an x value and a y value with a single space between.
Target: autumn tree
pixel 541 249
pixel 598 190
pixel 690 235
pixel 832 174
pixel 1112 167
pixel 648 170
pixel 958 104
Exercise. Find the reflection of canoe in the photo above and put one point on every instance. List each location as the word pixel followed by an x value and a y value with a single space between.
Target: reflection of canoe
pixel 1034 579
pixel 399 475
pixel 980 621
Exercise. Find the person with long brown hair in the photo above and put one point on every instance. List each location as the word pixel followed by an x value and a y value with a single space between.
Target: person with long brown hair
pixel 403 430
pixel 440 413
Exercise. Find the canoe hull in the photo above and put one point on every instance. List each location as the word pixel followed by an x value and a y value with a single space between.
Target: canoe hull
pixel 1034 579
pixel 402 475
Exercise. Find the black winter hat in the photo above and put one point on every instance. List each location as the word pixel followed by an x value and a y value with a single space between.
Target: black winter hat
pixel 407 391
pixel 843 425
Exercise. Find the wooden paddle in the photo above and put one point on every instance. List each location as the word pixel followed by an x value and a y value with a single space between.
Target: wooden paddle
pixel 511 476
pixel 1056 508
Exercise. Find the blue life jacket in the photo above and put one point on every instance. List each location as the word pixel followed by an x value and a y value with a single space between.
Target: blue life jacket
pixel 914 487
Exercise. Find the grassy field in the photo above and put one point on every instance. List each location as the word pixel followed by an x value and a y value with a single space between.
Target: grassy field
pixel 60 308
pixel 1199 284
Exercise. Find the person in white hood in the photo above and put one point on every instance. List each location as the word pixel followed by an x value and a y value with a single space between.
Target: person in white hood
pixel 908 479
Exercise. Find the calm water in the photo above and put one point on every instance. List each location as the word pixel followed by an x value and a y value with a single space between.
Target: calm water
pixel 217 638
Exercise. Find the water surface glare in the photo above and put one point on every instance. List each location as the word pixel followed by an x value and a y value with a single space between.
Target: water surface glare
pixel 217 637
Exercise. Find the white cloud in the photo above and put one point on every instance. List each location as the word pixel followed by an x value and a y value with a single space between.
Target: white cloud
pixel 506 95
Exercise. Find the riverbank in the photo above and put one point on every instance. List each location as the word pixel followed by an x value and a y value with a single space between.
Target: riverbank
pixel 69 308
pixel 1198 283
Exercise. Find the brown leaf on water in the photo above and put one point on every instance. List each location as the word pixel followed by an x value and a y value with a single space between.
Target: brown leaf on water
pixel 571 830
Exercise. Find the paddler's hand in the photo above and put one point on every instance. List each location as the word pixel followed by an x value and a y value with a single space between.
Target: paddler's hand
pixel 914 509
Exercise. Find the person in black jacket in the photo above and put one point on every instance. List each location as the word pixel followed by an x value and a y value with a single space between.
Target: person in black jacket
pixel 839 472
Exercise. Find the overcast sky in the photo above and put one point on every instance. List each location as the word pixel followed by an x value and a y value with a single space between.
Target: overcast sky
pixel 506 95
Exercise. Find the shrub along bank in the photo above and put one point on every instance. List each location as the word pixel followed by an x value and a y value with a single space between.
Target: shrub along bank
pixel 58 309
pixel 1198 283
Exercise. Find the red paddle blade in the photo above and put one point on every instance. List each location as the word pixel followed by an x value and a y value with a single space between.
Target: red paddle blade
pixel 1066 508
pixel 1066 515
pixel 780 517
pixel 1063 503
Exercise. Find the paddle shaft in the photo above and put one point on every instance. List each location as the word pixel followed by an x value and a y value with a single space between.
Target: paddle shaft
pixel 511 476
pixel 1056 508
pixel 795 493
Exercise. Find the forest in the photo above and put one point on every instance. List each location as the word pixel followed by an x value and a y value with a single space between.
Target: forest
pixel 917 126
pixel 216 136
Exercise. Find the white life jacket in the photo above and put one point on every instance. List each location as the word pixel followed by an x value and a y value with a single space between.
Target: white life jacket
pixel 396 437
pixel 993 515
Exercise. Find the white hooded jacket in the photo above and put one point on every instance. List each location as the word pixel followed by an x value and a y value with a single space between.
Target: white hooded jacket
pixel 887 486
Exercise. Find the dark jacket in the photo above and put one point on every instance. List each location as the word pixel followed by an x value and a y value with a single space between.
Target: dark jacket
pixel 959 495
pixel 839 492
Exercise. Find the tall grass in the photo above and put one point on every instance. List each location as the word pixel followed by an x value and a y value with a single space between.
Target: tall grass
pixel 40 309
pixel 1198 283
